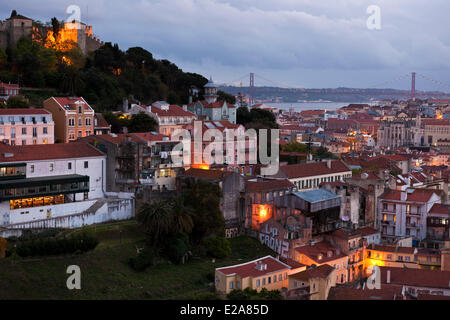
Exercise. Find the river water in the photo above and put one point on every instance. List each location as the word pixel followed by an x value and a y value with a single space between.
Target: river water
pixel 299 106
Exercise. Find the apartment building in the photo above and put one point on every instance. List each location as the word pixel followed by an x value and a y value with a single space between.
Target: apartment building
pixel 435 130
pixel 266 272
pixel 323 252
pixel 59 185
pixel 390 256
pixel 309 176
pixel 8 90
pixel 73 117
pixel 314 283
pixel 26 126
pixel 404 213
pixel 169 117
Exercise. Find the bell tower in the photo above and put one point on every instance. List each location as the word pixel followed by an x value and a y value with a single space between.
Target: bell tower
pixel 210 91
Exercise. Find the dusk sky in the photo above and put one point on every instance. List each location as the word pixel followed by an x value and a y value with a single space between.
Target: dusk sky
pixel 299 43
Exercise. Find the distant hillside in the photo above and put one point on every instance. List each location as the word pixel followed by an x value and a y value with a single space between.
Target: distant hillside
pixel 103 77
pixel 335 95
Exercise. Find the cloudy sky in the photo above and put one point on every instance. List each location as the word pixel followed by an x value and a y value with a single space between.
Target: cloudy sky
pixel 296 43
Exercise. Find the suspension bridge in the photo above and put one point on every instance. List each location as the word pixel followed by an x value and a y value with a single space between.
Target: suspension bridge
pixel 409 94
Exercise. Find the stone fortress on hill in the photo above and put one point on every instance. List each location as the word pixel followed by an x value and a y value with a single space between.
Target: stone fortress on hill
pixel 17 26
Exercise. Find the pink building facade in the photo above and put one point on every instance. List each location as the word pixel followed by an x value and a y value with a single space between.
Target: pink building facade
pixel 26 126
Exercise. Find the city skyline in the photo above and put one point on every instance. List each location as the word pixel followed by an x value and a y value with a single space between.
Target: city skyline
pixel 239 39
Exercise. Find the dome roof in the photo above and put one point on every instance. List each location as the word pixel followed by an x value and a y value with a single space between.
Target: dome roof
pixel 210 84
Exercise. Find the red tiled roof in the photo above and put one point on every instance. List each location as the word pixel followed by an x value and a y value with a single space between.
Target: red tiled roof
pixel 117 138
pixel 101 122
pixel 394 157
pixel 385 293
pixel 248 269
pixel 311 112
pixel 394 249
pixel 65 101
pixel 320 248
pixel 9 85
pixel 344 234
pixel 436 122
pixel 322 271
pixel 440 209
pixel 313 169
pixel 370 175
pixel 417 277
pixel 150 137
pixel 264 185
pixel 367 231
pixel 48 152
pixel 418 195
pixel 207 174
pixel 22 111
pixel 292 263
pixel 173 111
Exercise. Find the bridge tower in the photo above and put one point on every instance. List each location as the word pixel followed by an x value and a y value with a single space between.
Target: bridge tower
pixel 413 85
pixel 252 89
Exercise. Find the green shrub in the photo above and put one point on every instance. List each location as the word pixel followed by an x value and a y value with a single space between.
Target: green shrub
pixel 204 296
pixel 177 247
pixel 143 260
pixel 218 247
pixel 238 294
pixel 53 246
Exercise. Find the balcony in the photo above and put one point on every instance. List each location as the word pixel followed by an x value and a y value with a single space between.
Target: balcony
pixel 43 186
pixel 12 171
pixel 413 225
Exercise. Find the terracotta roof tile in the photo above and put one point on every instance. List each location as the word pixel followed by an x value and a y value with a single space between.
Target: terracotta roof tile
pixel 173 111
pixel 385 293
pixel 321 248
pixel 322 271
pixel 207 174
pixel 23 111
pixel 265 185
pixel 440 209
pixel 48 152
pixel 249 269
pixel 313 169
pixel 417 277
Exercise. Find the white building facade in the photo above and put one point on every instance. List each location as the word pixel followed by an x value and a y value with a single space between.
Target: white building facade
pixel 61 185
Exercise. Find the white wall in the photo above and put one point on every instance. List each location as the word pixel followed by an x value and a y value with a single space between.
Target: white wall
pixel 96 171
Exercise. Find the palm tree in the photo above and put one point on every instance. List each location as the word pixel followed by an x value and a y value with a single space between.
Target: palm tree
pixel 182 215
pixel 157 219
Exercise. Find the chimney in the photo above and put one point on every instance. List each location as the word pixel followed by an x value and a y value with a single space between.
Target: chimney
pixel 184 107
pixel 125 105
pixel 388 276
pixel 329 163
pixel 403 195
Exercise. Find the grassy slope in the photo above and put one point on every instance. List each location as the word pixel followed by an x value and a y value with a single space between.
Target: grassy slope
pixel 105 274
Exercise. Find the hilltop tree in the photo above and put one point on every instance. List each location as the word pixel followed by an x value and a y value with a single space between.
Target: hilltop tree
pixel 142 122
pixel 204 198
pixel 229 98
pixel 157 220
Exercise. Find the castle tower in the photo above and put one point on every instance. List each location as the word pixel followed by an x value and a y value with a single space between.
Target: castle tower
pixel 210 91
